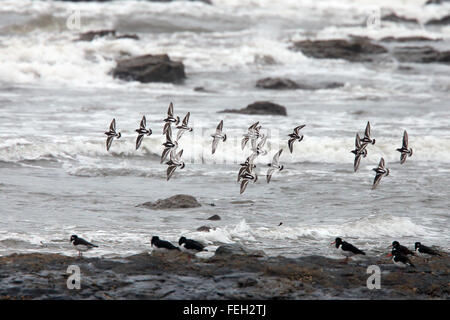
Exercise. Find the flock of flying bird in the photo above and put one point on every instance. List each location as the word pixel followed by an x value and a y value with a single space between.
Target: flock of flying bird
pixel 257 140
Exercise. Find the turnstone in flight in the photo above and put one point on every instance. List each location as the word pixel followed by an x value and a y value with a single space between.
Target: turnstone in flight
pixel 218 136
pixel 111 134
pixel 142 131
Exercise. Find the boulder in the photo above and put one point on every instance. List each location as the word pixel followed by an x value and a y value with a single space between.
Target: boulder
pixel 150 68
pixel 424 54
pixel 214 218
pixel 439 22
pixel 284 83
pixel 236 249
pixel 399 19
pixel 408 39
pixel 179 201
pixel 204 228
pixel 260 107
pixel 357 49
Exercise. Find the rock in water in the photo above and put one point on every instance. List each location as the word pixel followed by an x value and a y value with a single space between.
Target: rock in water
pixel 284 83
pixel 214 217
pixel 358 49
pixel 260 107
pixel 150 68
pixel 236 249
pixel 179 201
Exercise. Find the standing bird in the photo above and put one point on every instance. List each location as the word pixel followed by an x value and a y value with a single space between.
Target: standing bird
pixel 170 118
pixel 191 244
pixel 367 139
pixel 111 134
pixel 381 171
pixel 218 136
pixel 401 249
pixel 275 165
pixel 424 251
pixel 346 249
pixel 169 145
pixel 399 259
pixel 404 151
pixel 174 162
pixel 81 245
pixel 142 131
pixel 295 136
pixel 184 126
pixel 360 151
pixel 162 244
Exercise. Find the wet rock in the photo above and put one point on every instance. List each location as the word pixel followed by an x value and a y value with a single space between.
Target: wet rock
pixel 260 107
pixel 91 35
pixel 264 59
pixel 436 2
pixel 399 19
pixel 408 39
pixel 236 249
pixel 204 229
pixel 424 54
pixel 214 217
pixel 150 68
pixel 284 83
pixel 357 49
pixel 439 22
pixel 179 201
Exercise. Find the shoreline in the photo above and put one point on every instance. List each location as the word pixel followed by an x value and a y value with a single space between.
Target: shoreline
pixel 234 273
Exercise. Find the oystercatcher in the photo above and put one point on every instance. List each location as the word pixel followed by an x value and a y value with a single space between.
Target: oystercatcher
pixel 346 249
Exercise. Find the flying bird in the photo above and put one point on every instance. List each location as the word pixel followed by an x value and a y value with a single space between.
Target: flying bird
pixel 275 165
pixel 174 162
pixel 295 136
pixel 359 151
pixel 367 139
pixel 381 171
pixel 404 151
pixel 218 136
pixel 112 134
pixel 169 145
pixel 142 131
pixel 170 118
pixel 184 126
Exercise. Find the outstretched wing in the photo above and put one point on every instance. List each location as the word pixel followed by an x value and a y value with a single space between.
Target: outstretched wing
pixel 166 128
pixel 170 110
pixel 180 133
pixel 367 132
pixel 269 174
pixel 186 119
pixel 381 164
pixel 405 140
pixel 357 161
pixel 297 129
pixel 139 140
pixel 112 126
pixel 219 127
pixel 178 155
pixel 143 123
pixel 244 184
pixel 403 157
pixel 291 144
pixel 357 142
pixel 169 135
pixel 244 142
pixel 170 171
pixel 253 126
pixel 262 142
pixel 377 180
pixel 109 141
pixel 214 144
pixel 276 157
pixel 164 154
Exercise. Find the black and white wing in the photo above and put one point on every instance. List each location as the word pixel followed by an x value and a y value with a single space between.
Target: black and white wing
pixel 291 144
pixel 405 140
pixel 215 142
pixel 377 180
pixel 244 142
pixel 357 142
pixel 297 129
pixel 219 127
pixel 367 132
pixel 170 110
pixel 381 164
pixel 403 157
pixel 143 123
pixel 164 154
pixel 269 174
pixel 244 184
pixel 112 126
pixel 186 119
pixel 109 141
pixel 166 128
pixel 357 161
pixel 139 139
pixel 276 157
pixel 170 171
pixel 262 143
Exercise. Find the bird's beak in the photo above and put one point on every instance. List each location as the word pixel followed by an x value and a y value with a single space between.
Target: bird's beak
pixel 390 246
pixel 389 255
pixel 333 242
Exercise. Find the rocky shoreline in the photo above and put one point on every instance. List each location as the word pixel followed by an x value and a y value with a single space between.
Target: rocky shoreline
pixel 233 272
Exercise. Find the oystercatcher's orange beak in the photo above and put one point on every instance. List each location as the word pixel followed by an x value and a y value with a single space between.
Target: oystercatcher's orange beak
pixel 333 242
pixel 390 246
pixel 389 255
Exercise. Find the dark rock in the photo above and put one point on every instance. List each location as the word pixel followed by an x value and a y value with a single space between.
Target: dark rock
pixel 395 18
pixel 284 83
pixel 357 49
pixel 236 249
pixel 436 2
pixel 179 201
pixel 439 22
pixel 408 39
pixel 91 35
pixel 150 68
pixel 204 229
pixel 247 282
pixel 260 107
pixel 214 217
pixel 421 55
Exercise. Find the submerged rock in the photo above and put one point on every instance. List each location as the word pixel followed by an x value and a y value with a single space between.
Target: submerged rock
pixel 424 54
pixel 214 217
pixel 439 22
pixel 284 83
pixel 179 201
pixel 150 68
pixel 260 107
pixel 236 249
pixel 91 35
pixel 396 18
pixel 357 49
